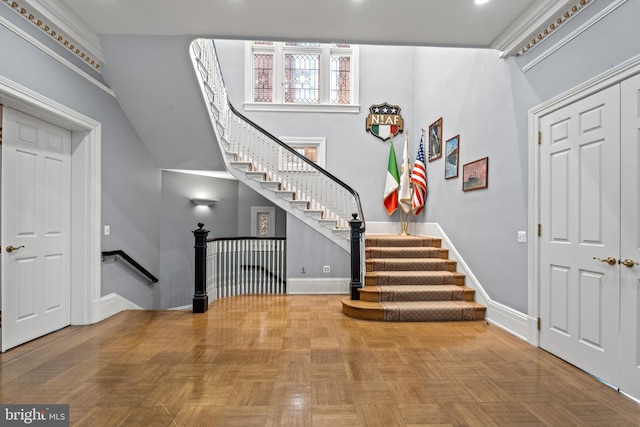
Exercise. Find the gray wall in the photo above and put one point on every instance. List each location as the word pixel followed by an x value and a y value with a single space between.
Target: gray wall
pixel 130 177
pixel 483 98
pixel 179 218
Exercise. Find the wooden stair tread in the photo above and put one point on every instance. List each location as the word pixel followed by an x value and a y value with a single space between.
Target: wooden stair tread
pixel 416 292
pixel 406 252
pixel 410 264
pixel 414 310
pixel 413 278
pixel 383 240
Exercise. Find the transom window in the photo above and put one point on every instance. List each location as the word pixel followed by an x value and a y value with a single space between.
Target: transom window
pixel 301 76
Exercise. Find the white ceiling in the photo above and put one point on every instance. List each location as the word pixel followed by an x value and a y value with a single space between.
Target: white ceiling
pixel 501 24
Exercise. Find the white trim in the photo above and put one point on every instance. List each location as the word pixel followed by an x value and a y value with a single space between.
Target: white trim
pixel 63 18
pixel 85 193
pixel 512 321
pixel 323 107
pixel 38 44
pixel 528 24
pixel 332 286
pixel 302 108
pixel 271 212
pixel 575 33
pixel 113 304
pixel 609 78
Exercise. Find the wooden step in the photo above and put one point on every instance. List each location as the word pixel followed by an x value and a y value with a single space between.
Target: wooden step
pixel 410 264
pixel 374 278
pixel 413 311
pixel 384 240
pixel 416 293
pixel 411 252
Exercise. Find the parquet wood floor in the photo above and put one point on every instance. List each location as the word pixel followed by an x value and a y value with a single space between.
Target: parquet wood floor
pixel 298 361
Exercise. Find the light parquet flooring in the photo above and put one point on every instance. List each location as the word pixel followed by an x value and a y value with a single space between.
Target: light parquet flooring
pixel 275 360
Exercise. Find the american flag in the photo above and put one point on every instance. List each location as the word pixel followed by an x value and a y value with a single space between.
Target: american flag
pixel 419 180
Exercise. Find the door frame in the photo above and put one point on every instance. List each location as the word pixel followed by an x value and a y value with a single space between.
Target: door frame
pixel 86 193
pixel 609 78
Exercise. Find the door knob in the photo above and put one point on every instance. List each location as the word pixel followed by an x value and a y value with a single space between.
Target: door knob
pixel 611 260
pixel 628 263
pixel 10 248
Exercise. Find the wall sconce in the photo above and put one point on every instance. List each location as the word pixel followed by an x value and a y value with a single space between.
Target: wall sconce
pixel 204 202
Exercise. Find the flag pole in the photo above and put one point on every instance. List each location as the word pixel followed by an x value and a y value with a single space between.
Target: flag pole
pixel 405 190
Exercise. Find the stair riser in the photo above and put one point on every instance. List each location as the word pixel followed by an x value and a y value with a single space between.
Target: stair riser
pixel 374 296
pixel 378 279
pixel 373 253
pixel 403 242
pixel 417 265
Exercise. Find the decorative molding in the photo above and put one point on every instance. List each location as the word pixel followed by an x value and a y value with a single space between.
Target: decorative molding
pixel 581 29
pixel 553 26
pixel 39 15
pixel 532 22
pixel 38 44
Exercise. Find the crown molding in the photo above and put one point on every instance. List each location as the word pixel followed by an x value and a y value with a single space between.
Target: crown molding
pixel 535 24
pixel 61 24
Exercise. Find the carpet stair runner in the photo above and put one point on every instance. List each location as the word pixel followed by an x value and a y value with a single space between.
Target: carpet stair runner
pixel 411 279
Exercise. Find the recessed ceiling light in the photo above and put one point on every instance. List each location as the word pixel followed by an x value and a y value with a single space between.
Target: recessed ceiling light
pixel 481 1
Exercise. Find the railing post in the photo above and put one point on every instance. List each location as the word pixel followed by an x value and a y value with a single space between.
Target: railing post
pixel 356 283
pixel 200 297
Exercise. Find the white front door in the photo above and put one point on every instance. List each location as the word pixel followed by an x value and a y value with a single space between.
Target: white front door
pixel 35 228
pixel 630 245
pixel 580 220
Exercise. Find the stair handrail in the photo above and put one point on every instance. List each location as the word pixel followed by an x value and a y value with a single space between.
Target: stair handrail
pixel 122 254
pixel 221 107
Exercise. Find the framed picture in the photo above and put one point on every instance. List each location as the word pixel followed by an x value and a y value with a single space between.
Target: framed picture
pixel 263 221
pixel 452 154
pixel 475 175
pixel 435 140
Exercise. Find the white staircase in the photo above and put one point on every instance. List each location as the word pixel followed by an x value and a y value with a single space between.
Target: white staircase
pixel 268 165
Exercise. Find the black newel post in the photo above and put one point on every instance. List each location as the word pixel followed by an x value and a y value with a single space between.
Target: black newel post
pixel 356 284
pixel 200 297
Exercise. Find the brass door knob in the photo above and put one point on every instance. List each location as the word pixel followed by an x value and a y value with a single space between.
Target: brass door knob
pixel 628 263
pixel 10 248
pixel 611 260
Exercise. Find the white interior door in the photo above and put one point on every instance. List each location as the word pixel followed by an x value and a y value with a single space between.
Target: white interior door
pixel 630 244
pixel 35 228
pixel 580 219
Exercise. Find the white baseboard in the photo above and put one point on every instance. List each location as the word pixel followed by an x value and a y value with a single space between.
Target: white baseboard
pixel 113 304
pixel 318 286
pixel 512 321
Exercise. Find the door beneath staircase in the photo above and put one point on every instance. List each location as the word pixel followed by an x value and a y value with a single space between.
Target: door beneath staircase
pixel 36 221
pixel 588 185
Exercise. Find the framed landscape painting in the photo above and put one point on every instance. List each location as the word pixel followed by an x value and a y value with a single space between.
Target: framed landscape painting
pixel 452 154
pixel 475 175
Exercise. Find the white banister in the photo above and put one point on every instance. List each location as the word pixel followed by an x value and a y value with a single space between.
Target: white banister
pixel 247 147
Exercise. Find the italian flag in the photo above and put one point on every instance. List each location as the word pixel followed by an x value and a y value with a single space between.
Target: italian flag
pixel 393 182
pixel 384 131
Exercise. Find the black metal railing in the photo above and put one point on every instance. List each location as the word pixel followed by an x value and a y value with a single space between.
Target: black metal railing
pixel 120 254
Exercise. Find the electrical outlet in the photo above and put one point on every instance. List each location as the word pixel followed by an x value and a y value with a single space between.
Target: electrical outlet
pixel 326 269
pixel 522 236
pixel 107 230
